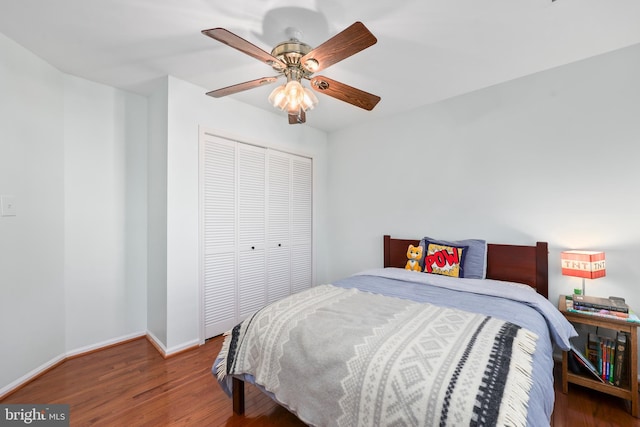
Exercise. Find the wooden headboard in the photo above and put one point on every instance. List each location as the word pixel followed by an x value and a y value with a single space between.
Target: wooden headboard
pixel 512 263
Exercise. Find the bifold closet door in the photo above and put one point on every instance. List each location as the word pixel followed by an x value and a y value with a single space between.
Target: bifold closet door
pixel 256 225
pixel 234 260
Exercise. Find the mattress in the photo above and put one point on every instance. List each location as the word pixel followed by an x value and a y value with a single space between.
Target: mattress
pixel 515 304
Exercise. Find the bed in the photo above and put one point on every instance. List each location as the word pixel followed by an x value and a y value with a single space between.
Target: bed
pixel 392 346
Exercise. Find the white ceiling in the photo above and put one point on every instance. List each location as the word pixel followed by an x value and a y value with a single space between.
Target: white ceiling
pixel 427 50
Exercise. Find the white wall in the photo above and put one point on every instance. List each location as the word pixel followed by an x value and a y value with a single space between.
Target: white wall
pixel 105 198
pixel 157 213
pixel 32 242
pixel 551 157
pixel 73 261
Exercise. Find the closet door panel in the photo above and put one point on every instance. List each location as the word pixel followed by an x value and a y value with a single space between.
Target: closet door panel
pixel 251 197
pixel 279 273
pixel 251 282
pixel 219 235
pixel 219 196
pixel 301 273
pixel 251 229
pixel 278 196
pixel 219 293
pixel 301 223
pixel 278 225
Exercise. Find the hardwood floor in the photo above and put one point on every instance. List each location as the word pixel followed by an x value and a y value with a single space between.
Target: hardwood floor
pixel 132 385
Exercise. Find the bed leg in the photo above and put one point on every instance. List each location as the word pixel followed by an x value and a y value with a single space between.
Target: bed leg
pixel 238 396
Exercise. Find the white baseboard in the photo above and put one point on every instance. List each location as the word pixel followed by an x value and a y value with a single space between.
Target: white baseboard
pixel 159 345
pixel 31 375
pixel 9 388
pixel 168 352
pixel 182 347
pixel 107 343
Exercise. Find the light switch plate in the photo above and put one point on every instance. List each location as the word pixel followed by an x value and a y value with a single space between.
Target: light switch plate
pixel 8 205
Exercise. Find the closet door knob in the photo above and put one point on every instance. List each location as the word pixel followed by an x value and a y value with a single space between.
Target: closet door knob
pixel 279 244
pixel 253 247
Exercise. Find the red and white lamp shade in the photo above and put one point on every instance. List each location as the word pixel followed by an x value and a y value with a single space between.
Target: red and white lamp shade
pixel 584 264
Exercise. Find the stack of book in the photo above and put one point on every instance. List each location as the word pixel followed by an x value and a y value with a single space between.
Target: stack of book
pixel 612 307
pixel 605 358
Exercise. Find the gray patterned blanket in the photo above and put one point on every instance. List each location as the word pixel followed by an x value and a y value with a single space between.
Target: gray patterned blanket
pixel 342 357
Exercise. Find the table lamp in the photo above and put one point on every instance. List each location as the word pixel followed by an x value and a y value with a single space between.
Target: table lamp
pixel 585 264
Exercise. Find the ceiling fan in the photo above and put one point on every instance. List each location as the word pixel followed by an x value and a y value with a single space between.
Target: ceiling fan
pixel 296 61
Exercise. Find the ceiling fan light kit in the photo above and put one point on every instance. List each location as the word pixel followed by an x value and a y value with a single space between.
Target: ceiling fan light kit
pixel 292 97
pixel 297 61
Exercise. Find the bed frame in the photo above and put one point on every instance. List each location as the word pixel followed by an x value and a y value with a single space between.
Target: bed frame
pixel 513 263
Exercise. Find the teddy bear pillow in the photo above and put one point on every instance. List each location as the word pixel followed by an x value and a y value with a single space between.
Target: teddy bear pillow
pixel 414 258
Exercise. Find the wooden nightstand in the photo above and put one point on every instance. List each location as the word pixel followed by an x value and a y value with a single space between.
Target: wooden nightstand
pixel 628 392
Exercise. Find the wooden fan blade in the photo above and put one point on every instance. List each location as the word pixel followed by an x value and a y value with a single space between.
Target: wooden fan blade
pixel 230 90
pixel 237 42
pixel 344 44
pixel 344 92
pixel 301 117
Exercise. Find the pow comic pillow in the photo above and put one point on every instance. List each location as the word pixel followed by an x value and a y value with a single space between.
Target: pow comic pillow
pixel 444 260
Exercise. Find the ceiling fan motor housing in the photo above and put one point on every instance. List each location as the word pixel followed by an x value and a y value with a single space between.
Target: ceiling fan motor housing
pixel 290 52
